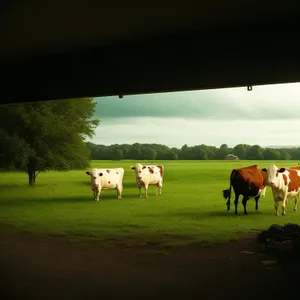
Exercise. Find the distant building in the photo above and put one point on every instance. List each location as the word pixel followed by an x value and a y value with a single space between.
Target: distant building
pixel 231 157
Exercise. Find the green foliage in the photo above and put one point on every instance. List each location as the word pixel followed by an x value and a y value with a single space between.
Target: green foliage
pixel 50 135
pixel 240 150
pixel 198 152
pixel 191 208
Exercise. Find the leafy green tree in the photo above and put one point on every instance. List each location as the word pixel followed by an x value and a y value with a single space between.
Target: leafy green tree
pixel 272 154
pixel 222 151
pixel 284 154
pixel 135 152
pixel 36 137
pixel 296 154
pixel 255 152
pixel 240 150
pixel 148 153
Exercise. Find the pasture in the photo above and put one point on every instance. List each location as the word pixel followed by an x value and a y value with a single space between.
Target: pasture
pixel 191 208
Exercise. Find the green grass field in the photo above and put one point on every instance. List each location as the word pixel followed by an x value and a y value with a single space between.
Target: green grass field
pixel 191 208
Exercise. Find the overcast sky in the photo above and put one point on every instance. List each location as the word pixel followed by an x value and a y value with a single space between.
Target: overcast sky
pixel 267 115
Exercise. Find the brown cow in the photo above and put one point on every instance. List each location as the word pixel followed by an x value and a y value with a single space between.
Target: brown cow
pixel 250 182
pixel 295 167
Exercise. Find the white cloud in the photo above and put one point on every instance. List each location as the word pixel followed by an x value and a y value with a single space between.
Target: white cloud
pixel 267 115
pixel 263 102
pixel 178 131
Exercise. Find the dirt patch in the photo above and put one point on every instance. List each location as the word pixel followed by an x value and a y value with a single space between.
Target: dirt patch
pixel 55 268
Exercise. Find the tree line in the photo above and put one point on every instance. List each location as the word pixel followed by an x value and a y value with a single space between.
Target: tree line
pixel 139 151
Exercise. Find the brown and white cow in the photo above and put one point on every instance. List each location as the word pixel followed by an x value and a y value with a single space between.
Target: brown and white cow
pixel 250 182
pixel 106 179
pixel 295 167
pixel 285 183
pixel 146 175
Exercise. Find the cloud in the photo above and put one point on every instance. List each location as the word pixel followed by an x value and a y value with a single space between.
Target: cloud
pixel 262 103
pixel 176 132
pixel 267 115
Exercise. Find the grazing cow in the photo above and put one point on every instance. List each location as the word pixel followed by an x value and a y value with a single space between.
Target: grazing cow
pixel 285 183
pixel 148 175
pixel 250 182
pixel 104 179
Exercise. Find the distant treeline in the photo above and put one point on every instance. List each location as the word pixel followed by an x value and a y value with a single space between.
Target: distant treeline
pixel 199 152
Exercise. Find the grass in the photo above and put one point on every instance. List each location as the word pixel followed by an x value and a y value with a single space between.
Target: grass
pixel 191 209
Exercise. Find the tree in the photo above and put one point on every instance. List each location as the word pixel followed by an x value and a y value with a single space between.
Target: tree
pixel 135 152
pixel 36 137
pixel 284 154
pixel 116 153
pixel 148 153
pixel 240 151
pixel 272 154
pixel 222 152
pixel 255 152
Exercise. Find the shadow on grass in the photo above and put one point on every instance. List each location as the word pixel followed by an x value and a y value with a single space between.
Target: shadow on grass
pixel 28 201
pixel 15 186
pixel 56 200
pixel 231 213
pixel 202 214
pixel 125 184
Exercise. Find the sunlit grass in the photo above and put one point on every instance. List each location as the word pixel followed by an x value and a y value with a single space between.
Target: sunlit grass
pixel 191 208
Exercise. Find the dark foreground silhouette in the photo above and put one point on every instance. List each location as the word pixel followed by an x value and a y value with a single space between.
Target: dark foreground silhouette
pixel 54 268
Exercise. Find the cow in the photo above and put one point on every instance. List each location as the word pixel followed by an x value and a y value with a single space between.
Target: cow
pixel 285 183
pixel 146 175
pixel 250 182
pixel 104 179
pixel 295 167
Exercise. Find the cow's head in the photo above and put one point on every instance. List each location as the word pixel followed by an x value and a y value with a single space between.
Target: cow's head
pixel 139 170
pixel 273 172
pixel 95 176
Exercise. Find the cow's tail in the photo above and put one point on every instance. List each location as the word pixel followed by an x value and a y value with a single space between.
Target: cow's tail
pixel 227 193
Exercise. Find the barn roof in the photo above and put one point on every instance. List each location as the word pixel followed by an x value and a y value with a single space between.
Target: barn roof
pixel 59 49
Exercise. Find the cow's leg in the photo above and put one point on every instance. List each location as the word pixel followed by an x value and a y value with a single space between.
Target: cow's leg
pixel 296 202
pixel 276 208
pixel 256 203
pixel 236 200
pixel 228 204
pixel 244 201
pixel 159 186
pixel 146 191
pixel 98 192
pixel 140 191
pixel 284 206
pixel 119 191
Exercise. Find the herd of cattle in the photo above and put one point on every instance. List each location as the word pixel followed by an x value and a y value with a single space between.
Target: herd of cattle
pixel 103 179
pixel 250 182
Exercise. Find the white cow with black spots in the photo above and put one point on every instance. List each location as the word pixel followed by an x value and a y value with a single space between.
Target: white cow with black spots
pixel 106 179
pixel 146 175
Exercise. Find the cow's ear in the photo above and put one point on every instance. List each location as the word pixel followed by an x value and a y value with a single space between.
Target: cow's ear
pixel 144 167
pixel 100 174
pixel 132 168
pixel 281 170
pixel 264 170
pixel 88 173
pixel 151 170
